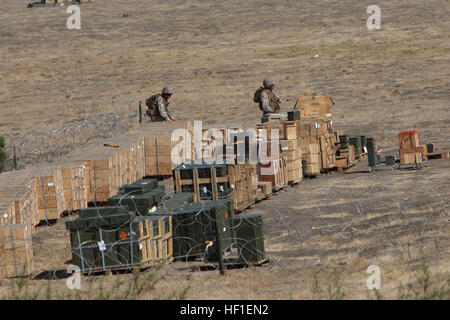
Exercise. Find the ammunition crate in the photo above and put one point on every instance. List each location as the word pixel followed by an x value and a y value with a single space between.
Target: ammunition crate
pixel 119 241
pixel 207 182
pixel 140 186
pixel 194 227
pixel 249 237
pixel 356 142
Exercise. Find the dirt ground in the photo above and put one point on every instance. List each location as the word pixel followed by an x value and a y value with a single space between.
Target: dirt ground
pixel 321 235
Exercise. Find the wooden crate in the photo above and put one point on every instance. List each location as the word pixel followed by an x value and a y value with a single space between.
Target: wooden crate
pixel 292 151
pixel 74 184
pixel 346 158
pixel 264 190
pixel 131 157
pixel 287 130
pixel 419 149
pixel 7 213
pixel 314 107
pixel 20 190
pixel 311 154
pixel 158 155
pixel 244 185
pixel 102 165
pixel 275 171
pixel 24 201
pixel 156 248
pixel 321 132
pixel 408 139
pixel 411 158
pixel 50 193
pixel 218 185
pixel 16 253
pixel 158 146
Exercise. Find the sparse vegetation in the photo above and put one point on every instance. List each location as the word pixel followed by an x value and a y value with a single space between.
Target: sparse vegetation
pixel 132 286
pixel 425 285
pixel 383 82
pixel 330 288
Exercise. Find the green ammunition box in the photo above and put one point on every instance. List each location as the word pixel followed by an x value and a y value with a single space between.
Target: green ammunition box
pixel 249 237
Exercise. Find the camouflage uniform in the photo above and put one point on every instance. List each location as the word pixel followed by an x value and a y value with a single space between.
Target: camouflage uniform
pixel 158 107
pixel 267 103
pixel 162 112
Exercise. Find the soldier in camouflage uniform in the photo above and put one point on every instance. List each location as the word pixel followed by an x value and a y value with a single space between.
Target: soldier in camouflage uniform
pixel 268 101
pixel 158 106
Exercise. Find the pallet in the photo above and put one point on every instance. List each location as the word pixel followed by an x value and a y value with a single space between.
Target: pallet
pixel 438 155
pixel 343 169
pixel 361 156
pixel 196 266
pixel 242 208
pixel 277 189
pixel 294 183
pixel 260 197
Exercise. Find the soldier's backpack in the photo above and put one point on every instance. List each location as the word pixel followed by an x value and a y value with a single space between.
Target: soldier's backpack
pixel 151 104
pixel 257 95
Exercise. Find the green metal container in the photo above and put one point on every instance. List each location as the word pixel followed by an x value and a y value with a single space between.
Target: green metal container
pixel 250 238
pixel 390 160
pixel 140 186
pixel 95 212
pixel 356 142
pixel 372 152
pixel 293 115
pixel 304 168
pixel 364 141
pixel 140 203
pixel 194 227
pixel 344 141
pixel 111 241
pixel 177 201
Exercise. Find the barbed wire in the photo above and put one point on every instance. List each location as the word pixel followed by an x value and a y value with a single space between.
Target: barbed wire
pixel 38 146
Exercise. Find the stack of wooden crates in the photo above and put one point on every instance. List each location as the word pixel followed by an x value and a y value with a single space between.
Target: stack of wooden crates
pixel 317 134
pixel 288 167
pixel 159 145
pixel 411 152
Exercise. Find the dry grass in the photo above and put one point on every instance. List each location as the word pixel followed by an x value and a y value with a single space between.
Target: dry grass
pixel 215 54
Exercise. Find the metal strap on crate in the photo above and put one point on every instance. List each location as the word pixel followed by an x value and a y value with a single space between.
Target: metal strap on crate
pixel 95 180
pixel 131 244
pixel 157 158
pixel 45 198
pixel 13 249
pixel 102 251
pixel 196 185
pixel 214 183
pixel 81 251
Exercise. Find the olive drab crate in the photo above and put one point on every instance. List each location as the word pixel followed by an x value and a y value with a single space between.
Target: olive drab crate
pixel 249 237
pixel 113 238
pixel 140 196
pixel 194 228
